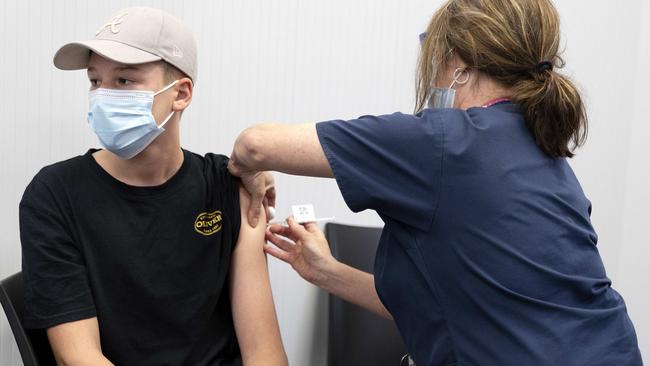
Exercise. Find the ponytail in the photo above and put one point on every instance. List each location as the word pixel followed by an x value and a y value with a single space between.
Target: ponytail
pixel 554 112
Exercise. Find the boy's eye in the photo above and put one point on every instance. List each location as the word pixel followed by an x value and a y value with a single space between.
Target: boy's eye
pixel 123 81
pixel 94 82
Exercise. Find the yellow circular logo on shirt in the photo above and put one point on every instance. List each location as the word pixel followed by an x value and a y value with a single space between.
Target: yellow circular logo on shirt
pixel 208 223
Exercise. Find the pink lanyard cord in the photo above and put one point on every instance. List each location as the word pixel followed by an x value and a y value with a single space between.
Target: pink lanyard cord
pixel 495 101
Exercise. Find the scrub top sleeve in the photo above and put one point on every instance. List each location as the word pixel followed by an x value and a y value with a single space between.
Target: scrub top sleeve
pixel 391 164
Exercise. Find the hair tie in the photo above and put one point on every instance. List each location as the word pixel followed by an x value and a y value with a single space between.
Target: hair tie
pixel 543 66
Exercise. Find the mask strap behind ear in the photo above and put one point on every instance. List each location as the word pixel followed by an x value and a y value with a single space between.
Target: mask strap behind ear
pixel 457 74
pixel 165 88
pixel 162 91
pixel 167 119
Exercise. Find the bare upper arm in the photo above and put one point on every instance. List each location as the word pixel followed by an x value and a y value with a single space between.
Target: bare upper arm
pixel 253 309
pixel 77 343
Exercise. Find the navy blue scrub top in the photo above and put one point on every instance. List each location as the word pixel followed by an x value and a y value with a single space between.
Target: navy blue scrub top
pixel 488 255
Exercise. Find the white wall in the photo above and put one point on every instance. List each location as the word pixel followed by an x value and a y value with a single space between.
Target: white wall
pixel 298 61
pixel 633 271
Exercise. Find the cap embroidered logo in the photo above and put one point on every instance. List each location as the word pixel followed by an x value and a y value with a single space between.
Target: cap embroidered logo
pixel 208 223
pixel 176 52
pixel 113 24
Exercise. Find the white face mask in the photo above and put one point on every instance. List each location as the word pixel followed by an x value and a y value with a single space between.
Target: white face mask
pixel 445 97
pixel 122 119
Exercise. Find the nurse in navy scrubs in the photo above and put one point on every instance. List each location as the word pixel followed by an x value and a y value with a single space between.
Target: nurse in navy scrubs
pixel 488 255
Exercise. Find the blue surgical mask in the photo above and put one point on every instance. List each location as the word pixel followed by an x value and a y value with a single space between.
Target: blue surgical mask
pixel 445 97
pixel 122 119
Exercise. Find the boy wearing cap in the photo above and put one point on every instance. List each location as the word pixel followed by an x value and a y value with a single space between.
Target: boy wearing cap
pixel 140 254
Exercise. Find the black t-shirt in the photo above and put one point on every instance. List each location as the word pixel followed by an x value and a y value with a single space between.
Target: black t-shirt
pixel 150 262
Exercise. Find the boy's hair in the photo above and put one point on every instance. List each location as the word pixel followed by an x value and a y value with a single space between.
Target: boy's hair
pixel 171 72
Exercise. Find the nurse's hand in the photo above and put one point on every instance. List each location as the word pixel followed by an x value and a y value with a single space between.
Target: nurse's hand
pixel 261 187
pixel 309 254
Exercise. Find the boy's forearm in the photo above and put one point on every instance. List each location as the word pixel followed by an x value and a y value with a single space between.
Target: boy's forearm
pixel 271 358
pixel 85 359
pixel 77 343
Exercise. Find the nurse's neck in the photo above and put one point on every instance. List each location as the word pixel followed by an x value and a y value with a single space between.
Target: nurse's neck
pixel 480 90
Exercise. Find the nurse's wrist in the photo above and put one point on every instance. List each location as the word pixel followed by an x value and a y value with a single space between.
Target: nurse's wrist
pixel 328 274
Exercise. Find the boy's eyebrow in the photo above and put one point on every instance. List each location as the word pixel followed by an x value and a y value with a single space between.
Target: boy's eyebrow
pixel 121 68
pixel 128 68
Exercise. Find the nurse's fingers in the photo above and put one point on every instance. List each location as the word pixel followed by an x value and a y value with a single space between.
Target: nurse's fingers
pixel 313 228
pixel 280 242
pixel 279 229
pixel 278 253
pixel 298 230
pixel 285 231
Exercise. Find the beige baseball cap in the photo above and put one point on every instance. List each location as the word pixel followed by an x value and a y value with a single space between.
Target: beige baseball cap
pixel 135 35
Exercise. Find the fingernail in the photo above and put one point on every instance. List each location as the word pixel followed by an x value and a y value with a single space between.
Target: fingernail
pixel 254 223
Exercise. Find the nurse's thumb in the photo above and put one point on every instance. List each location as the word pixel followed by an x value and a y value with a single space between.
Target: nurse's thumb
pixel 297 229
pixel 254 213
pixel 255 208
pixel 312 227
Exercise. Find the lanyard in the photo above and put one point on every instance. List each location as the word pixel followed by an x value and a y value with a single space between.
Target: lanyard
pixel 408 359
pixel 495 101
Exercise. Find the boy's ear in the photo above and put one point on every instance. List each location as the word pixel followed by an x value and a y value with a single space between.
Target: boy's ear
pixel 184 87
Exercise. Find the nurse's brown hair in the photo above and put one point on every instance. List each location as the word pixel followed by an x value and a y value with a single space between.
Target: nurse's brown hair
pixel 516 42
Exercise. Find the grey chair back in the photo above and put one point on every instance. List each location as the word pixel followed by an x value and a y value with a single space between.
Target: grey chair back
pixel 32 344
pixel 357 336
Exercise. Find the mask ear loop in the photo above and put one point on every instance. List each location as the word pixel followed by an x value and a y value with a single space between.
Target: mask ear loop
pixel 165 88
pixel 166 119
pixel 435 65
pixel 457 74
pixel 162 91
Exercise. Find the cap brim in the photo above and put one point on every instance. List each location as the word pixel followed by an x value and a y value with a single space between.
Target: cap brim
pixel 75 55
